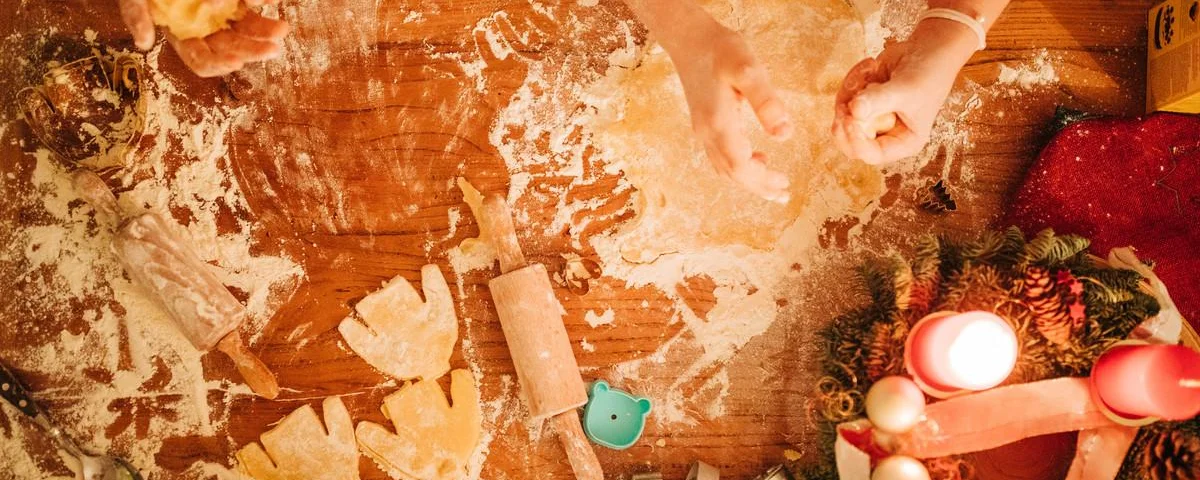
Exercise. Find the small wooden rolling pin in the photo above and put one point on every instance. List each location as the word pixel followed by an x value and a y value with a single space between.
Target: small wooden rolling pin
pixel 531 318
pixel 158 260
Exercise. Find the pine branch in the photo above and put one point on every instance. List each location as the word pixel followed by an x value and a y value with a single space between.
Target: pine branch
pixel 1038 248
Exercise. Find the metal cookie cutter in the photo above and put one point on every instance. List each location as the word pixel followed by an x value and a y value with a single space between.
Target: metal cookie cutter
pixel 90 110
pixel 703 471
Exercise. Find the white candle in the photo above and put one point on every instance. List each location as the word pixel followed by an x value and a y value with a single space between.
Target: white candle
pixel 949 351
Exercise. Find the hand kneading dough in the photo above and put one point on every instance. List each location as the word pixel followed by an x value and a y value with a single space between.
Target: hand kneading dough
pixel 300 449
pixel 194 18
pixel 683 205
pixel 401 335
pixel 433 441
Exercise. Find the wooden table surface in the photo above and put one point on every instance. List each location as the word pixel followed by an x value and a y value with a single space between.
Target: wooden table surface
pixel 432 119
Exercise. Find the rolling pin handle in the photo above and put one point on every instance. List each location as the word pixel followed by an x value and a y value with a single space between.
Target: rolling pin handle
pixel 253 370
pixel 579 451
pixel 92 189
pixel 504 236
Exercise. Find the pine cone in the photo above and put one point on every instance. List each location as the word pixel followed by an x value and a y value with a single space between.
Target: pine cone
pixel 1037 282
pixel 1050 316
pixel 1172 455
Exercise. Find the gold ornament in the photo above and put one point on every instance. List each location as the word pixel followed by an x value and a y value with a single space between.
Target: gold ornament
pixel 900 467
pixel 89 110
pixel 895 404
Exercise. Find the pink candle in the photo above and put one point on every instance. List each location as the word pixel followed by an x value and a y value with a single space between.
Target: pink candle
pixel 1159 381
pixel 949 352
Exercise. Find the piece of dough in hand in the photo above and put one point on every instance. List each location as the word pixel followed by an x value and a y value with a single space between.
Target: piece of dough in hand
pixel 194 18
pixel 433 441
pixel 402 336
pixel 299 448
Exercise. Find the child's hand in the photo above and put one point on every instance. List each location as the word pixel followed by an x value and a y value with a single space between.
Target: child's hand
pixel 910 79
pixel 718 72
pixel 253 38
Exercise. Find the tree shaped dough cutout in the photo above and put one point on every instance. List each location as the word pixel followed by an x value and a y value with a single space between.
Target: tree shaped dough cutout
pixel 301 448
pixel 433 440
pixel 401 335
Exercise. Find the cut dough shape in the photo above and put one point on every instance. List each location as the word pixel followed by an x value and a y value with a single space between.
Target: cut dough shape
pixel 299 448
pixel 401 335
pixel 433 441
pixel 473 253
pixel 194 18
pixel 683 205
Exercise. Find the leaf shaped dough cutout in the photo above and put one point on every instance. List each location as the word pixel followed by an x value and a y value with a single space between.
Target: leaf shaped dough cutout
pixel 401 335
pixel 432 441
pixel 300 448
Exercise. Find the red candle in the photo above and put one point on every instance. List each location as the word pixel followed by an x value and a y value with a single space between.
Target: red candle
pixel 948 352
pixel 1157 381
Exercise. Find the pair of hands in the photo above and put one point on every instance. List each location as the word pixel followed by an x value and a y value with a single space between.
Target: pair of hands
pixel 253 38
pixel 910 79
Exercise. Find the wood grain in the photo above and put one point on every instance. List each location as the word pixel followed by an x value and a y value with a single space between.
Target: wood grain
pixel 380 154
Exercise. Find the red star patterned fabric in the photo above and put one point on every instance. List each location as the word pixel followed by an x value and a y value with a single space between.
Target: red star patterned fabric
pixel 1124 182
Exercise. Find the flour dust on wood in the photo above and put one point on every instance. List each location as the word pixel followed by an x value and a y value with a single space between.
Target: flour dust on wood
pixel 110 365
pixel 689 222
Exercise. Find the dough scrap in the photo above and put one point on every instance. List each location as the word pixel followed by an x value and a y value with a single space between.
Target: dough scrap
pixel 478 252
pixel 433 441
pixel 300 448
pixel 194 18
pixel 402 336
pixel 683 205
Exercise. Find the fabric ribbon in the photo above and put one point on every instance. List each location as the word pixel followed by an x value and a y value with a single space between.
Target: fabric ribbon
pixel 853 462
pixel 975 422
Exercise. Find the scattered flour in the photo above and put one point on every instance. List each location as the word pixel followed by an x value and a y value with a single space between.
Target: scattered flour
pixel 127 380
pixel 634 123
pixel 1037 72
pixel 414 16
pixel 596 320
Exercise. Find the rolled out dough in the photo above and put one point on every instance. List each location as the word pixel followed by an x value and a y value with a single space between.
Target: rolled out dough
pixel 194 18
pixel 300 448
pixel 683 204
pixel 401 335
pixel 433 440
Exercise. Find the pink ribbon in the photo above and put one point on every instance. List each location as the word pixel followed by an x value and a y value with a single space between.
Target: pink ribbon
pixel 1000 416
pixel 974 422
pixel 1100 452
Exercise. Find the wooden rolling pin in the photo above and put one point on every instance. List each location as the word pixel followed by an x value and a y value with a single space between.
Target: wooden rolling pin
pixel 165 265
pixel 531 318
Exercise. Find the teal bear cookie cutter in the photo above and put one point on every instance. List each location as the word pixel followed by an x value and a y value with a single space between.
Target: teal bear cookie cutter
pixel 614 418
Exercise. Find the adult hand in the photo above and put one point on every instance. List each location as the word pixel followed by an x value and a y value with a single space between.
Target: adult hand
pixel 250 39
pixel 718 73
pixel 909 80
